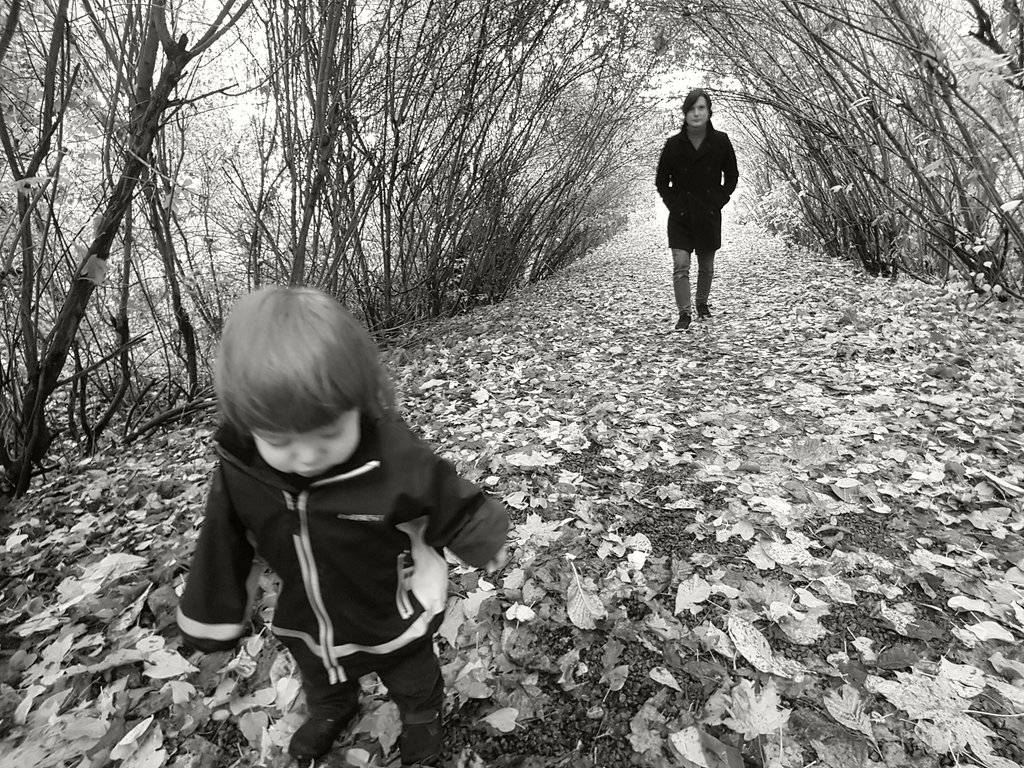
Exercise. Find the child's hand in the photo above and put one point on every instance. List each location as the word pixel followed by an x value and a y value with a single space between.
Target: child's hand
pixel 498 561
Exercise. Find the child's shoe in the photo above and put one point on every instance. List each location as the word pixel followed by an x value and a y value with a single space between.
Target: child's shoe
pixel 316 736
pixel 420 742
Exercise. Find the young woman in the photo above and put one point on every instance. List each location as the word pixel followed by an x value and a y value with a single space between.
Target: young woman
pixel 696 176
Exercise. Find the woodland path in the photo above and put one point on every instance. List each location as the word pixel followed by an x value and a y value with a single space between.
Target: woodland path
pixel 789 537
pixel 833 459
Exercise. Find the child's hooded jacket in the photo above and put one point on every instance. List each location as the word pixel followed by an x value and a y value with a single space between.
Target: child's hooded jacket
pixel 357 549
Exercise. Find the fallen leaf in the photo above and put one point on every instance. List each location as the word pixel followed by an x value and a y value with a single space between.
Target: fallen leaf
pixel 252 725
pixel 962 603
pixel 503 719
pixel 130 741
pixel 520 612
pixel 847 489
pixel 583 607
pixel 848 709
pixel 754 713
pixel 990 630
pixel 665 677
pixel 533 459
pixel 163 664
pixel 699 749
pixel 754 648
pixel 358 757
pixel 383 724
pixel 616 676
pixel 691 593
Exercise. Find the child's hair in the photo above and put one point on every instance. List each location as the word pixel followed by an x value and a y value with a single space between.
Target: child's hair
pixel 294 360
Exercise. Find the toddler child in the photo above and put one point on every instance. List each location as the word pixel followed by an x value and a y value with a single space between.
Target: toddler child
pixel 319 478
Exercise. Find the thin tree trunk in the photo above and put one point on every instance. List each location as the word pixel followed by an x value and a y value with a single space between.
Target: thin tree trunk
pixel 42 385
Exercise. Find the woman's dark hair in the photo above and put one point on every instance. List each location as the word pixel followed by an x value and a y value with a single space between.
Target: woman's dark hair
pixel 691 99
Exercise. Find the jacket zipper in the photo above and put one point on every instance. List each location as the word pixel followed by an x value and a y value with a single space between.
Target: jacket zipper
pixel 307 564
pixel 310 576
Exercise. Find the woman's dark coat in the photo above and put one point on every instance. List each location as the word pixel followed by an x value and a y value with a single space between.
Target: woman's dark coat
pixel 695 184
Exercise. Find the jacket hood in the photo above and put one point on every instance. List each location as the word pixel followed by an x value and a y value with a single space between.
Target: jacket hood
pixel 237 443
pixel 239 449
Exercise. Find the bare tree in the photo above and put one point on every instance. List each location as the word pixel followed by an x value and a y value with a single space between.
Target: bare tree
pixel 899 140
pixel 151 76
pixel 414 158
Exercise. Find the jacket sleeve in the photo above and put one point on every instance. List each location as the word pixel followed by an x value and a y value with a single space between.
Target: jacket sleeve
pixel 461 516
pixel 663 177
pixel 214 609
pixel 730 171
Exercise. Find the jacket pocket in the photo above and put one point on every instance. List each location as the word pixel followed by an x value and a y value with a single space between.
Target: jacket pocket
pixel 674 201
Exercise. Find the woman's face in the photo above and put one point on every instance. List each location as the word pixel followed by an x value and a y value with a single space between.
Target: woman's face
pixel 697 116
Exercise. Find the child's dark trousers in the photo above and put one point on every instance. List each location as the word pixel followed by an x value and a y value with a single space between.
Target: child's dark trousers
pixel 411 675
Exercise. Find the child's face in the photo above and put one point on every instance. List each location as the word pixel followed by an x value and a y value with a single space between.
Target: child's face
pixel 310 453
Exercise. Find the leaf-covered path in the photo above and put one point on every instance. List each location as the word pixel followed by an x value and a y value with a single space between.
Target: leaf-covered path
pixel 787 537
